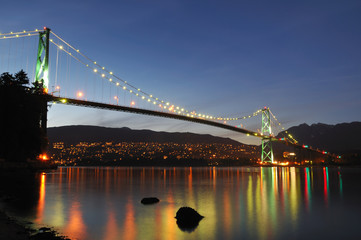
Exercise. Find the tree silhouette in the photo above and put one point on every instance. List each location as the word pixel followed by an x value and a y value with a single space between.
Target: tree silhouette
pixel 21 108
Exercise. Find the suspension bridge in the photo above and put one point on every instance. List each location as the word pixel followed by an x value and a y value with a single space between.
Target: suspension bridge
pixel 113 88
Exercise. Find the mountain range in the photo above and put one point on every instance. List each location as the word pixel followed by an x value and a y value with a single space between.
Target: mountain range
pixel 76 134
pixel 343 137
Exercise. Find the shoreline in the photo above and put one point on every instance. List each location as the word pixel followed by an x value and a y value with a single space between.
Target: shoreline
pixel 12 229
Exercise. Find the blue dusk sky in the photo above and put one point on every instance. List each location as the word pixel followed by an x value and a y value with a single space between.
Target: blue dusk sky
pixel 302 59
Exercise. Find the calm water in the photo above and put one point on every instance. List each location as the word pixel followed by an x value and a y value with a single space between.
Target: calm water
pixel 238 203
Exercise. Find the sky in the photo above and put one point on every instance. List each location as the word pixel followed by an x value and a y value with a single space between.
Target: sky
pixel 302 59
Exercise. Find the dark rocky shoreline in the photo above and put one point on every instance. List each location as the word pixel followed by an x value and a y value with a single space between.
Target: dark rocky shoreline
pixel 12 229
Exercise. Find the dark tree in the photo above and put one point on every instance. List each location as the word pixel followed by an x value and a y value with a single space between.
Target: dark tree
pixel 21 136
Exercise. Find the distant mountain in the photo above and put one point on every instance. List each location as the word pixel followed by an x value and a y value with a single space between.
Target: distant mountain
pixel 344 137
pixel 76 134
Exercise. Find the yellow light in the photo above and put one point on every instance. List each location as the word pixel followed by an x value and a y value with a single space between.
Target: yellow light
pixel 61 47
pixel 154 102
pixel 143 97
pixel 63 100
pixel 124 87
pixel 117 84
pixel 103 68
pixel 111 73
pixel 95 70
pixel 110 80
pixel 167 103
pixel 95 62
pixel 77 50
pixel 130 91
pixel 103 75
pixel 149 100
pixel 138 89
pixel 151 96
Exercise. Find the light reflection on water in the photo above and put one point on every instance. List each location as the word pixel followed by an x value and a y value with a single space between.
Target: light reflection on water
pixel 248 203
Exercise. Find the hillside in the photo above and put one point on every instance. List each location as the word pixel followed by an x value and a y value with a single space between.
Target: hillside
pixel 76 134
pixel 343 137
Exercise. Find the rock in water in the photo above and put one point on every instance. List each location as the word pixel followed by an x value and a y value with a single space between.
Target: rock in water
pixel 149 200
pixel 188 218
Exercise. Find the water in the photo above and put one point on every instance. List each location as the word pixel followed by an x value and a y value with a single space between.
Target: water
pixel 238 203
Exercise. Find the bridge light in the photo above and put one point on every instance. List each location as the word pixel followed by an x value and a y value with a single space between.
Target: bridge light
pixel 132 103
pixel 124 87
pixel 95 70
pixel 80 94
pixel 103 75
pixel 117 84
pixel 63 100
pixel 61 47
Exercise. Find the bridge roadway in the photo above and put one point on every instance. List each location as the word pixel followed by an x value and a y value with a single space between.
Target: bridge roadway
pixel 77 102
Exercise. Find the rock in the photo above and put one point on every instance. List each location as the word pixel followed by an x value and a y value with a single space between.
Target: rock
pixel 188 219
pixel 44 229
pixel 149 200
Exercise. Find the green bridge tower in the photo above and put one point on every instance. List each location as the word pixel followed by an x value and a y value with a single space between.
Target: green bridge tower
pixel 266 131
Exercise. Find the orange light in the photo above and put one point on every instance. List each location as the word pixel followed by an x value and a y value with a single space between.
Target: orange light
pixel 132 103
pixel 43 157
pixel 45 90
pixel 80 94
pixel 57 87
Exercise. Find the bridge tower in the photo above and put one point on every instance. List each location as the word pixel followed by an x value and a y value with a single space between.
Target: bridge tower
pixel 267 151
pixel 42 73
pixel 42 59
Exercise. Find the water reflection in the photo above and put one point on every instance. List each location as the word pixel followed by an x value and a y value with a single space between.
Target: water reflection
pixel 260 203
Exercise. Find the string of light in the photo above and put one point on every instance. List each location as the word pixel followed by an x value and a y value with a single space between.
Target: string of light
pixel 19 34
pixel 288 134
pixel 110 76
